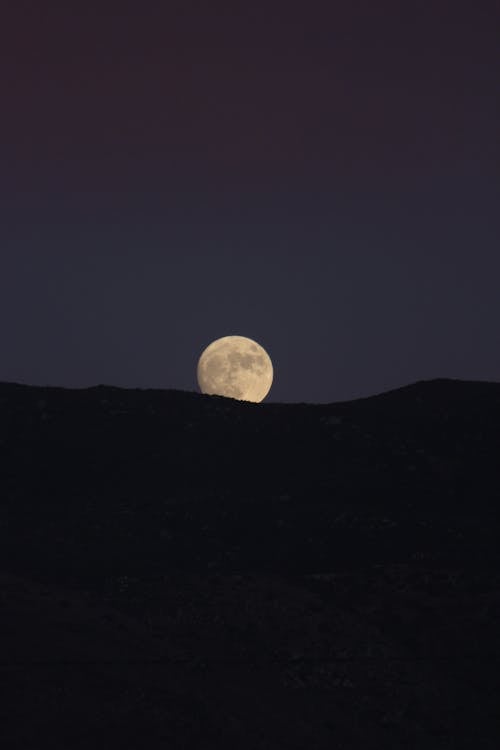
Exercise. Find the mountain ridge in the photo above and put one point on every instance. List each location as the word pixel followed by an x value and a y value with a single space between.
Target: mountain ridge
pixel 191 571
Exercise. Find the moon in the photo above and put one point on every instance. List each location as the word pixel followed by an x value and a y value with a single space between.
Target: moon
pixel 235 367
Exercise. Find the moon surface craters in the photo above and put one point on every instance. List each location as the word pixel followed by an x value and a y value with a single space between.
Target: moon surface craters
pixel 235 367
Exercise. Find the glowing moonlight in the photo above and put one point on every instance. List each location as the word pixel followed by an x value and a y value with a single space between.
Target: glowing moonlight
pixel 236 367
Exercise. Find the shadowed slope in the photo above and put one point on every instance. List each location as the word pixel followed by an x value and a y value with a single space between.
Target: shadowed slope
pixel 133 480
pixel 191 571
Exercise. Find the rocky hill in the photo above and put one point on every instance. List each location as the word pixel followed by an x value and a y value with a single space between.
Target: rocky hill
pixel 188 571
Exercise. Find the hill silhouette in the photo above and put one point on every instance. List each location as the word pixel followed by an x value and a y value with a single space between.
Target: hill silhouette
pixel 191 571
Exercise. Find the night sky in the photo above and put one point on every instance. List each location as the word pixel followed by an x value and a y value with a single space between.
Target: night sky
pixel 319 176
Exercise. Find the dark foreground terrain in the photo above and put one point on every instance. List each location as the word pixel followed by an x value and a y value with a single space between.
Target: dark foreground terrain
pixel 183 571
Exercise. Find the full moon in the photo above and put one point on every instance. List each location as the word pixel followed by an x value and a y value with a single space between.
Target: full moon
pixel 235 367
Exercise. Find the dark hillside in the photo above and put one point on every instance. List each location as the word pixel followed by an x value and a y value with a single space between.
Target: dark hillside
pixel 288 575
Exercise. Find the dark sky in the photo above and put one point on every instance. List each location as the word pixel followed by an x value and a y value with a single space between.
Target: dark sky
pixel 320 176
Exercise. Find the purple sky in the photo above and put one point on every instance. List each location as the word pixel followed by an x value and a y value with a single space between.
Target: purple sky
pixel 322 177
